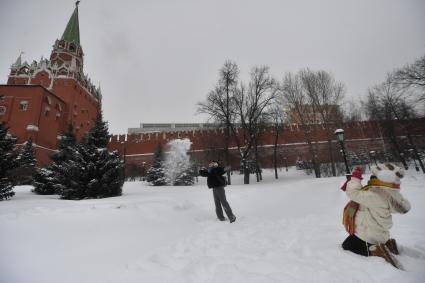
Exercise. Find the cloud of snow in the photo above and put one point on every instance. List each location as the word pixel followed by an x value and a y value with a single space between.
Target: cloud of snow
pixel 177 160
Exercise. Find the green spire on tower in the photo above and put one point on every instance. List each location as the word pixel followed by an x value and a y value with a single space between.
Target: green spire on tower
pixel 72 30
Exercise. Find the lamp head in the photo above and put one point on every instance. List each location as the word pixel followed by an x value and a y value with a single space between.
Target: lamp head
pixel 339 134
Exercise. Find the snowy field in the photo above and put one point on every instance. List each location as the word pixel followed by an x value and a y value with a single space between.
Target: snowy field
pixel 287 230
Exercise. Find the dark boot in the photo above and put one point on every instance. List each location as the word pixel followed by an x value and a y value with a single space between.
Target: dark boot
pixel 392 246
pixel 381 250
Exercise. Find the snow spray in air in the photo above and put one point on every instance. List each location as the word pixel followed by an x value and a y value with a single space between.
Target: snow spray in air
pixel 177 161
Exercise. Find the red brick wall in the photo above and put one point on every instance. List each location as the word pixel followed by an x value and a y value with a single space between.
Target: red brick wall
pixel 205 144
pixel 41 112
pixel 82 106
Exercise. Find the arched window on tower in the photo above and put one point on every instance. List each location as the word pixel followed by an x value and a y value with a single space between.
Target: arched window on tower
pixel 23 70
pixel 58 107
pixel 61 44
pixel 46 111
pixel 72 47
pixel 23 105
pixel 63 72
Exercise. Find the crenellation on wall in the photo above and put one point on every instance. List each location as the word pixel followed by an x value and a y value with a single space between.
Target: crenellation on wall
pixel 121 138
pixel 291 142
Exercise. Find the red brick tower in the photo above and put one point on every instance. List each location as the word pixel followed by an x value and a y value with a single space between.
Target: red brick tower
pixel 42 98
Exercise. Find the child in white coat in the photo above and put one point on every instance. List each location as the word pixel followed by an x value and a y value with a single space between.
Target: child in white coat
pixel 372 218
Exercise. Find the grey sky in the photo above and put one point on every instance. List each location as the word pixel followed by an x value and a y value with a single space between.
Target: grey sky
pixel 155 59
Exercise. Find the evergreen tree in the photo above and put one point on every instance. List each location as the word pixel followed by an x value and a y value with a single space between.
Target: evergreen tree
pixel 185 178
pixel 91 171
pixel 26 164
pixel 156 174
pixel 45 180
pixel 98 136
pixel 7 162
pixel 65 148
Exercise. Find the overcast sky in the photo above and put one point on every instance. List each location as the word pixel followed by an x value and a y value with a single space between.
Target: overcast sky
pixel 155 59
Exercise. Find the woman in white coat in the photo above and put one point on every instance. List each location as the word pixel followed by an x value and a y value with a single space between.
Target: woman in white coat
pixel 372 218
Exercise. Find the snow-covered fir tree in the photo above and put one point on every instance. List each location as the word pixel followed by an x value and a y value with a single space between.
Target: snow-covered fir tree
pixel 7 162
pixel 185 178
pixel 26 164
pixel 45 179
pixel 178 167
pixel 66 145
pixel 91 171
pixel 156 174
pixel 98 135
pixel 27 157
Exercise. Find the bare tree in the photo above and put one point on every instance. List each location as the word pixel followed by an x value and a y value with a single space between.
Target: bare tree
pixel 228 80
pixel 352 111
pixel 251 102
pixel 295 97
pixel 391 105
pixel 240 108
pixel 324 95
pixel 220 104
pixel 276 117
pixel 412 76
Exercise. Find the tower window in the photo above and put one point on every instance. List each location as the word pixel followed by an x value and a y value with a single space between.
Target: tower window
pixel 23 105
pixel 2 110
pixel 62 71
pixel 72 47
pixel 24 70
pixel 46 111
pixel 61 44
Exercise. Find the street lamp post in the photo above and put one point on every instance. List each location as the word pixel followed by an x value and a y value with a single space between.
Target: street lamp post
pixel 340 137
pixel 403 161
pixel 245 171
pixel 143 171
pixel 372 153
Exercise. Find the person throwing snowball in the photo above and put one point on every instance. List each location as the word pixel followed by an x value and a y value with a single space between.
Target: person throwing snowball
pixel 216 181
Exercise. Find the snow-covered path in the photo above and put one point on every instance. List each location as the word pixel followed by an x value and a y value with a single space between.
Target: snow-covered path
pixel 288 230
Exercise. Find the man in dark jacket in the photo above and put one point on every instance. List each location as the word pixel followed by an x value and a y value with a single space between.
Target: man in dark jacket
pixel 217 182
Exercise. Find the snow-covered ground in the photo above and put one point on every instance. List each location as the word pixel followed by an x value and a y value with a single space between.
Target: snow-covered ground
pixel 287 230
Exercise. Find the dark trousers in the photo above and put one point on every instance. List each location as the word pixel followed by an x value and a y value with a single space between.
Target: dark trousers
pixel 221 201
pixel 356 245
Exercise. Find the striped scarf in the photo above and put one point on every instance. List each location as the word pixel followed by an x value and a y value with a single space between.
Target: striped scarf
pixel 384 185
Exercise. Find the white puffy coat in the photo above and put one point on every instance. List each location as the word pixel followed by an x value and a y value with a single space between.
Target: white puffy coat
pixel 373 219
